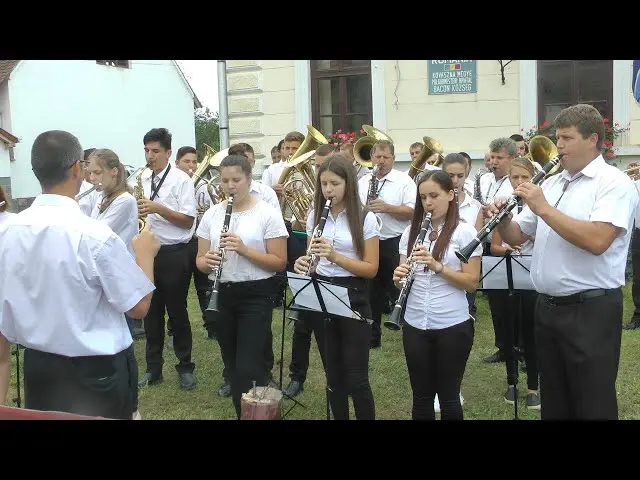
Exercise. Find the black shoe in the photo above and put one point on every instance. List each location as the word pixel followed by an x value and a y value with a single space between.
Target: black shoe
pixel 149 379
pixel 187 381
pixel 523 366
pixel 633 324
pixel 495 358
pixel 375 344
pixel 225 390
pixel 137 333
pixel 294 388
pixel 533 401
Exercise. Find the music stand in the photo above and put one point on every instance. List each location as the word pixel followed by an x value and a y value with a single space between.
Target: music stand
pixel 324 292
pixel 501 275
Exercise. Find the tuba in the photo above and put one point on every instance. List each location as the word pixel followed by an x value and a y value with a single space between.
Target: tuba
pixel 208 167
pixel 362 147
pixel 298 177
pixel 543 150
pixel 430 148
pixel 633 171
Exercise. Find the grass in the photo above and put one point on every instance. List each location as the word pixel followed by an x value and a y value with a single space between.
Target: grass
pixel 483 386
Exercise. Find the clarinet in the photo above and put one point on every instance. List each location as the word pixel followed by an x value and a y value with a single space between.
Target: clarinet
pixel 464 254
pixel 455 195
pixel 213 301
pixel 317 233
pixel 373 185
pixel 395 321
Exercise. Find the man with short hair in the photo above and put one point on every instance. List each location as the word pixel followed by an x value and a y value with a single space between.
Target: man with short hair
pixel 170 208
pixel 581 220
pixel 80 281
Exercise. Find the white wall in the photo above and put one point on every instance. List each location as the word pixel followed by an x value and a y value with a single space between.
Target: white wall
pixel 105 107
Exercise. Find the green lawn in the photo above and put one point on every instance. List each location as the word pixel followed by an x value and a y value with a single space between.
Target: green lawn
pixel 483 386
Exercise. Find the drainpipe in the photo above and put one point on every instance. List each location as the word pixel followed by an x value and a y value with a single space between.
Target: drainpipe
pixel 223 114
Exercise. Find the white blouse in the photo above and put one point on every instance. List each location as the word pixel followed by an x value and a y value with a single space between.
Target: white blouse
pixel 469 210
pixel 4 216
pixel 338 233
pixel 433 303
pixel 255 225
pixel 121 216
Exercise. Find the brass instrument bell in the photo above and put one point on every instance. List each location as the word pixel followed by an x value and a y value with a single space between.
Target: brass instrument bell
pixel 362 147
pixel 431 147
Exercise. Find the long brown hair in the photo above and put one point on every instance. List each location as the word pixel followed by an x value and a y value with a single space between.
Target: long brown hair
pixel 338 164
pixel 4 198
pixel 107 159
pixel 451 220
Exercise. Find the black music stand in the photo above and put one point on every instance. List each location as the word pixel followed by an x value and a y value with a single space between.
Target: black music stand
pixel 281 361
pixel 322 292
pixel 509 260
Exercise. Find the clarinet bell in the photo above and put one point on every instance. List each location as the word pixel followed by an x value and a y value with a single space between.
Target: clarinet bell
pixel 213 302
pixel 465 253
pixel 395 319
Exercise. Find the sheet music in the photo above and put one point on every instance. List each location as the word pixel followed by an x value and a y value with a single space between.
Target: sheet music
pixel 308 298
pixel 494 273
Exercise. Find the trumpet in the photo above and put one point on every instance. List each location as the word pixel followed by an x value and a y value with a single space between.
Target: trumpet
pixel 213 301
pixel 395 319
pixel 87 192
pixel 465 253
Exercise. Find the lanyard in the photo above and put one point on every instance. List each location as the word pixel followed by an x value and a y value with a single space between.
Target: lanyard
pixel 154 191
pixel 566 185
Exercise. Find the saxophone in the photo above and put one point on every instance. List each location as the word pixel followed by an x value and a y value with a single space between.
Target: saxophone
pixel 477 193
pixel 395 322
pixel 138 193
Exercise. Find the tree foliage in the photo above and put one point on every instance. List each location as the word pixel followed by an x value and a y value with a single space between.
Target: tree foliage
pixel 207 131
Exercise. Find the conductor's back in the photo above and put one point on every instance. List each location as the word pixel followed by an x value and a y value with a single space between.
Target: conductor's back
pixel 67 281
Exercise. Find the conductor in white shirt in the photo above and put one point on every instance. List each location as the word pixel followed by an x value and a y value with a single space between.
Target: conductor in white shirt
pixel 582 220
pixel 170 207
pixel 67 281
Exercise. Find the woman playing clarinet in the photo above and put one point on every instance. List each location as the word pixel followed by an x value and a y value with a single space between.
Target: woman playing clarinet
pixel 438 331
pixel 523 307
pixel 348 255
pixel 255 248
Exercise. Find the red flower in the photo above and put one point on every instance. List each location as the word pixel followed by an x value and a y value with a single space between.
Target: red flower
pixel 610 155
pixel 605 120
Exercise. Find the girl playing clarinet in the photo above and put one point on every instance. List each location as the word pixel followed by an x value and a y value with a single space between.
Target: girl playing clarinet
pixel 348 256
pixel 255 248
pixel 522 306
pixel 116 207
pixel 438 331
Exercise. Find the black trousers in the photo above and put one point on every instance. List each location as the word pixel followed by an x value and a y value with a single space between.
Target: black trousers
pixel 201 282
pixel 436 361
pixel 300 347
pixel 172 275
pixel 382 288
pixel 578 354
pixel 344 350
pixel 635 265
pixel 243 326
pixel 98 386
pixel 499 310
pixel 520 323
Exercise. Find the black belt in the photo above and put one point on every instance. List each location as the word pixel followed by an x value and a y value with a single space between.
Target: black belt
pixel 578 297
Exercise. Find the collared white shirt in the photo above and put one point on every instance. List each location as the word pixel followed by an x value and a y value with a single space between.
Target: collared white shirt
pixel 492 189
pixel 469 210
pixel 272 173
pixel 468 186
pixel 88 202
pixel 67 280
pixel 264 192
pixel 602 194
pixel 395 188
pixel 121 216
pixel 4 216
pixel 434 303
pixel 337 231
pixel 177 193
pixel 254 226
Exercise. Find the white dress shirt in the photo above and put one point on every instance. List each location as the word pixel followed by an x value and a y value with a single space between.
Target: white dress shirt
pixel 264 192
pixel 272 173
pixel 67 280
pixel 4 216
pixel 395 188
pixel 491 190
pixel 121 216
pixel 177 193
pixel 433 303
pixel 600 193
pixel 469 210
pixel 337 231
pixel 254 226
pixel 88 202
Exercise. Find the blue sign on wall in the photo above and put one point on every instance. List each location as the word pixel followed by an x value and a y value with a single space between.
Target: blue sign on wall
pixel 636 80
pixel 452 76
